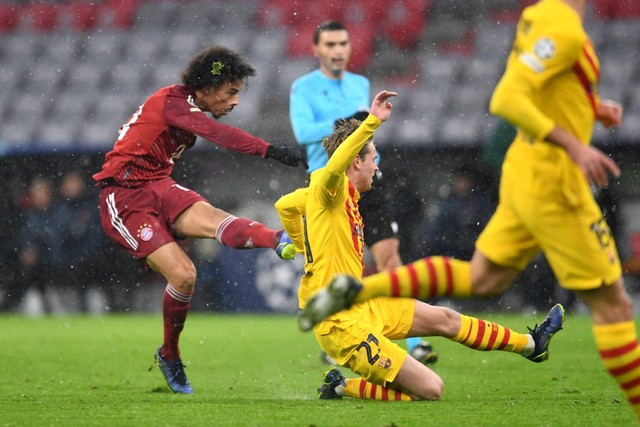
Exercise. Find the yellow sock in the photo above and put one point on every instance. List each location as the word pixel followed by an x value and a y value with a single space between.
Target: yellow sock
pixel 482 335
pixel 618 347
pixel 423 279
pixel 362 389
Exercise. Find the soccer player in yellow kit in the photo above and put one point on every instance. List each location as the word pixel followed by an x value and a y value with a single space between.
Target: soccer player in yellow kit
pixel 324 223
pixel 549 91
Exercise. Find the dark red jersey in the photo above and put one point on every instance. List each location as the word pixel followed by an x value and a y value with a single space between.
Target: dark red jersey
pixel 160 131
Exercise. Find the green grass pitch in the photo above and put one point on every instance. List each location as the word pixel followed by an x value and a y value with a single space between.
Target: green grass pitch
pixel 259 370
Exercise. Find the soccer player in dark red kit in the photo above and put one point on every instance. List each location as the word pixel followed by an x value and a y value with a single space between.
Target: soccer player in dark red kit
pixel 145 211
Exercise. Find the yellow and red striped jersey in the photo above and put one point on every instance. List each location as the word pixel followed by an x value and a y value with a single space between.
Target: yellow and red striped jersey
pixel 551 79
pixel 323 220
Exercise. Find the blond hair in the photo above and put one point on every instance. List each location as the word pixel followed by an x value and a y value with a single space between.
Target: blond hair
pixel 340 133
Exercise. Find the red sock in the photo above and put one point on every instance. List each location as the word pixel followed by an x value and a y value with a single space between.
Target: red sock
pixel 175 306
pixel 242 233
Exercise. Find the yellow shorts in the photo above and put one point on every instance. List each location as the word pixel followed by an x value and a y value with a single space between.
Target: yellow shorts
pixel 576 240
pixel 360 338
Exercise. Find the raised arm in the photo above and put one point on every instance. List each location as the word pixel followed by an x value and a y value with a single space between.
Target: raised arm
pixel 381 107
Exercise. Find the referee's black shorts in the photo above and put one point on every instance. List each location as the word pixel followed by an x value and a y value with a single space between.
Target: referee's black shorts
pixel 376 216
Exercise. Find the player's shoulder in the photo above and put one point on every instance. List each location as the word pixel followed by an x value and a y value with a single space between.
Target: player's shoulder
pixel 355 76
pixel 552 29
pixel 169 91
pixel 176 90
pixel 307 80
pixel 557 19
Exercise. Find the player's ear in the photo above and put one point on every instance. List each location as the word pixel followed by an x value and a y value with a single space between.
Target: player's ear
pixel 356 162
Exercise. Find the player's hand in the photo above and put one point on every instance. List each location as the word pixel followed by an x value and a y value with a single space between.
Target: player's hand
pixel 360 115
pixel 290 156
pixel 381 107
pixel 595 165
pixel 609 113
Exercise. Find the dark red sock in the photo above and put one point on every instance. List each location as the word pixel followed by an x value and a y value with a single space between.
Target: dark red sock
pixel 242 233
pixel 175 306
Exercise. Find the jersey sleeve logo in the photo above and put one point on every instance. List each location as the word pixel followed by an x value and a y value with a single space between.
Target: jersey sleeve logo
pixel 544 48
pixel 194 108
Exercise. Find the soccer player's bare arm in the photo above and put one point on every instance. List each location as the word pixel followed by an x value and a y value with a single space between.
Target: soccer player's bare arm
pixel 380 111
pixel 594 164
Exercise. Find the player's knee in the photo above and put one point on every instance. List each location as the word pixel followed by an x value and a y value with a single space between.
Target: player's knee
pixel 624 308
pixel 430 390
pixel 185 277
pixel 487 286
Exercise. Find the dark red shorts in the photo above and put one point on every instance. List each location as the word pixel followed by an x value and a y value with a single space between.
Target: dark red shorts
pixel 141 219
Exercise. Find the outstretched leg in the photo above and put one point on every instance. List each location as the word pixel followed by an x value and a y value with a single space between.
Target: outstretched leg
pixel 484 335
pixel 423 279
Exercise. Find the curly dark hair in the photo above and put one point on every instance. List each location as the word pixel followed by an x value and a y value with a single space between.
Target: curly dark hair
pixel 215 66
pixel 340 134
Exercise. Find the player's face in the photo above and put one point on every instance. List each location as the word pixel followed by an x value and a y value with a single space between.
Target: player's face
pixel 368 169
pixel 221 100
pixel 333 51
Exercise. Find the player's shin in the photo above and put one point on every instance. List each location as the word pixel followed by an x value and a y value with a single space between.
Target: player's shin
pixel 362 389
pixel 242 233
pixel 423 279
pixel 175 306
pixel 480 334
pixel 619 350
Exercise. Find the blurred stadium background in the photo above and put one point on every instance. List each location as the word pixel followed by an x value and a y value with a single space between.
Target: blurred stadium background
pixel 74 71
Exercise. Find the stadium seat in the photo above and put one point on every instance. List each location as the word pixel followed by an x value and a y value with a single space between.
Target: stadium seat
pixel 82 15
pixel 482 73
pixel 126 78
pixel 602 9
pixel 358 12
pixel 275 13
pixel 58 135
pixel 17 135
pixel 510 13
pixel 403 22
pixel 625 9
pixel 607 10
pixel 86 77
pixel 9 17
pixel 458 129
pixel 268 45
pixel 42 17
pixel 104 46
pixel 363 43
pixel 493 42
pixel 300 41
pixel 419 131
pixel 97 135
pixel 44 78
pixel 119 14
pixel 315 12
pixel 59 49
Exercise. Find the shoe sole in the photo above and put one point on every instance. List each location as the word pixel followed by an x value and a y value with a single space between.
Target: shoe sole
pixel 337 296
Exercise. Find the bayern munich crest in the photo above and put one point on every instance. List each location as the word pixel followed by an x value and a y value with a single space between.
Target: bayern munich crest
pixel 145 232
